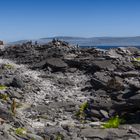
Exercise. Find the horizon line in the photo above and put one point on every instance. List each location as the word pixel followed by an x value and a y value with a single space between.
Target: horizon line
pixel 51 37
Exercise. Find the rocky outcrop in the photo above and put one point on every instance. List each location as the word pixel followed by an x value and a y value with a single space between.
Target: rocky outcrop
pixel 57 91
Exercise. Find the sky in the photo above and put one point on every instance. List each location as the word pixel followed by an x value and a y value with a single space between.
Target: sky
pixel 33 19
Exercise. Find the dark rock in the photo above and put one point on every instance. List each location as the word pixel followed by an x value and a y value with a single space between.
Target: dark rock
pixel 131 74
pixel 16 95
pixel 4 114
pixel 102 76
pixel 115 84
pixel 39 65
pixel 104 64
pixel 97 104
pixel 133 82
pixel 97 84
pixel 55 63
pixel 54 132
pixel 135 100
pixel 64 82
pixel 126 66
pixel 95 113
pixel 17 82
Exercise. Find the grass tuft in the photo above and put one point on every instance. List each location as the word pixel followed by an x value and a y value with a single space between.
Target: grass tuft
pixel 137 59
pixel 59 137
pixel 8 66
pixel 21 131
pixel 2 87
pixel 113 122
pixel 81 113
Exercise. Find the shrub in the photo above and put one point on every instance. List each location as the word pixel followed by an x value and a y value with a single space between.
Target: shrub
pixel 113 122
pixel 59 137
pixel 81 113
pixel 8 66
pixel 137 59
pixel 2 87
pixel 20 131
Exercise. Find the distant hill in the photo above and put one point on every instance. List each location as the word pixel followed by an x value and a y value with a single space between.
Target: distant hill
pixel 95 41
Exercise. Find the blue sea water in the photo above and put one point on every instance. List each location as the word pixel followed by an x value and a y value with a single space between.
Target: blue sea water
pixel 106 47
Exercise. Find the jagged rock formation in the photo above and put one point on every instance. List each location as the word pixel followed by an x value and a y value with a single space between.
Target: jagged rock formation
pixel 45 86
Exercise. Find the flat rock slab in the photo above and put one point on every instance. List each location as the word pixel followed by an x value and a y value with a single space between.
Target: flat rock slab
pixel 104 64
pixel 106 133
pixel 94 133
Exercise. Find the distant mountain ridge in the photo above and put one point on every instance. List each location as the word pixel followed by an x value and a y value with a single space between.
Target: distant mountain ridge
pixel 93 41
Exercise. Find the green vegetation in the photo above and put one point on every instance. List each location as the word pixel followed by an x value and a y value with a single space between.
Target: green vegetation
pixel 113 122
pixel 2 87
pixel 137 59
pixel 3 97
pixel 136 62
pixel 20 131
pixel 59 137
pixel 81 113
pixel 8 66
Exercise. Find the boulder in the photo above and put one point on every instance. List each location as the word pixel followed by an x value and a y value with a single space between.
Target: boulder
pixel 133 82
pixel 131 74
pixel 102 76
pixel 113 54
pixel 56 64
pixel 94 133
pixel 17 82
pixel 104 65
pixel 5 114
pixel 98 84
pixel 109 134
pixel 135 100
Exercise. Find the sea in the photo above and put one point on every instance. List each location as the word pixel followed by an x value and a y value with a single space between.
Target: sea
pixel 107 47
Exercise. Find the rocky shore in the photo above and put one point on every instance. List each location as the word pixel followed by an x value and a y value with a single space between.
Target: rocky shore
pixel 62 92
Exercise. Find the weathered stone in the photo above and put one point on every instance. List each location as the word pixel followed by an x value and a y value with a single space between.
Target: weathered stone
pixel 133 82
pixel 17 82
pixel 94 133
pixel 104 113
pixel 104 64
pixel 55 64
pixel 34 137
pixel 135 100
pixel 95 113
pixel 131 74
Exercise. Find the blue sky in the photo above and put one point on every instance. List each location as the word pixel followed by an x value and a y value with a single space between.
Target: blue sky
pixel 32 19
